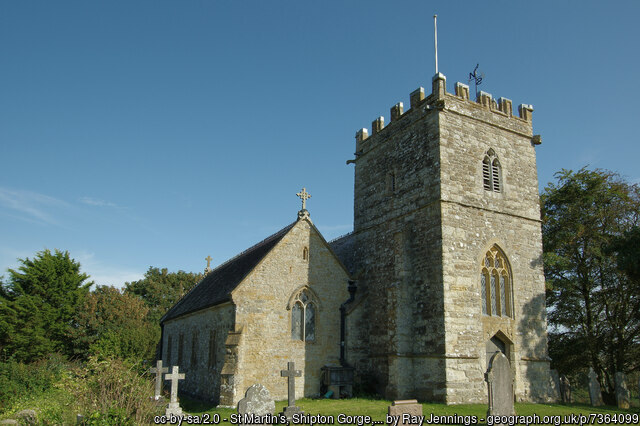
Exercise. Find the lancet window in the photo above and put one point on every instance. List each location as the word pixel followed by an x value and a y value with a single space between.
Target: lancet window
pixel 495 284
pixel 303 307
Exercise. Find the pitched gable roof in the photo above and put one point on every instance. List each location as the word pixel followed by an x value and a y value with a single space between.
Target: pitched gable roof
pixel 217 285
pixel 344 249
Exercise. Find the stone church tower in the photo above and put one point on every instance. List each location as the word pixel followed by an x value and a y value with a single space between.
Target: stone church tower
pixel 447 249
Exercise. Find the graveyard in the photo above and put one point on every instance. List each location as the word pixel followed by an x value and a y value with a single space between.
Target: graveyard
pixel 450 269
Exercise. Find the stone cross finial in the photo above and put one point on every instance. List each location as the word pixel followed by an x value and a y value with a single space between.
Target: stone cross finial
pixel 208 268
pixel 158 370
pixel 304 196
pixel 291 373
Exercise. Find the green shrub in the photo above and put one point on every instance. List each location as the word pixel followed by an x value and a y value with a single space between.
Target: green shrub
pixel 113 417
pixel 18 379
pixel 112 390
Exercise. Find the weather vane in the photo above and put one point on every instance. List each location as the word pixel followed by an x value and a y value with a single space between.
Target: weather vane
pixel 476 77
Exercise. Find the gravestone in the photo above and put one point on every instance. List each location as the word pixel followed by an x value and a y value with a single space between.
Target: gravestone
pixel 174 407
pixel 158 370
pixel 291 373
pixel 27 417
pixel 622 392
pixel 555 385
pixel 499 379
pixel 565 389
pixel 406 411
pixel 257 401
pixel 595 394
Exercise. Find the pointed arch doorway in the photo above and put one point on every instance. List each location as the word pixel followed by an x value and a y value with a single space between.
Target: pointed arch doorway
pixel 496 344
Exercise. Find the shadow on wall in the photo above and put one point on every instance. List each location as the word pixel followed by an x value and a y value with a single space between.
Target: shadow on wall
pixel 532 328
pixel 537 262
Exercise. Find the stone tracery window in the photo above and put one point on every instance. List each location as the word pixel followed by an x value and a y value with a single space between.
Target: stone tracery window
pixel 491 172
pixel 495 284
pixel 303 307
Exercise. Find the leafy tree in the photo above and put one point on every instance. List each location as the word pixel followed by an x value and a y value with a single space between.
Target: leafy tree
pixel 161 289
pixel 627 252
pixel 594 306
pixel 111 323
pixel 38 303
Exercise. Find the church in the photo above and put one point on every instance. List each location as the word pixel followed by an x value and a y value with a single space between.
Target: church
pixel 445 254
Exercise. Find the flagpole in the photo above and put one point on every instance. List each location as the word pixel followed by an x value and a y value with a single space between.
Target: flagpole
pixel 435 33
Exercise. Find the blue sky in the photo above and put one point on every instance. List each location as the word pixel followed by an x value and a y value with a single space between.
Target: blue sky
pixel 155 133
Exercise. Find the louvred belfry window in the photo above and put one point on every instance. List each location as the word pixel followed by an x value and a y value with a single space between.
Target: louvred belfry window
pixel 491 172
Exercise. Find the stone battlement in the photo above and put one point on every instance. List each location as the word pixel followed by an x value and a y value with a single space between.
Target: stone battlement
pixel 501 107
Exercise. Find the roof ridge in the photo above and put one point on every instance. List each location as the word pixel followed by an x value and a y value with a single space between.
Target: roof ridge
pixel 268 239
pixel 340 237
pixel 277 233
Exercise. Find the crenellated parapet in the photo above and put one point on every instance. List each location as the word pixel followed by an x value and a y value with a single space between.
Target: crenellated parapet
pixel 437 100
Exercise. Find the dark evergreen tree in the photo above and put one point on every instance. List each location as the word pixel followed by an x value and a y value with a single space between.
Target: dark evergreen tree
pixel 594 304
pixel 38 304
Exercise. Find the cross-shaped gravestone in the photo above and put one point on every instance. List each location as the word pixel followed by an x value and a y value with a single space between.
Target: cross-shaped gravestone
pixel 304 196
pixel 158 370
pixel 208 259
pixel 291 373
pixel 174 406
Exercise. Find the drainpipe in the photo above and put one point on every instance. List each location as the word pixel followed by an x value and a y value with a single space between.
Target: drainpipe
pixel 352 287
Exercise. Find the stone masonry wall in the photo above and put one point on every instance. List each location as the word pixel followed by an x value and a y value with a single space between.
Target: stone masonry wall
pixel 202 379
pixel 473 220
pixel 422 224
pixel 262 299
pixel 398 254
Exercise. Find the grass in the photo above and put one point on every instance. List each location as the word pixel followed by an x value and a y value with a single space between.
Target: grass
pixel 377 410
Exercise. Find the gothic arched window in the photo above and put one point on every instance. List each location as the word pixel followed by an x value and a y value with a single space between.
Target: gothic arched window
pixel 495 284
pixel 303 307
pixel 491 172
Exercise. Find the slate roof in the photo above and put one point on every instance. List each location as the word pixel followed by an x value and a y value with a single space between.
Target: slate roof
pixel 217 285
pixel 344 249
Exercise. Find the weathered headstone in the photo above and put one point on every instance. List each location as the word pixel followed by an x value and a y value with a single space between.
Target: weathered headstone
pixel 27 417
pixel 554 384
pixel 499 379
pixel 174 406
pixel 622 392
pixel 291 373
pixel 406 411
pixel 257 402
pixel 158 370
pixel 565 389
pixel 595 394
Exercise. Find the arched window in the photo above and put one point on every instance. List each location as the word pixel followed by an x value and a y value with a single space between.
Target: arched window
pixel 491 172
pixel 495 284
pixel 305 253
pixel 303 307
